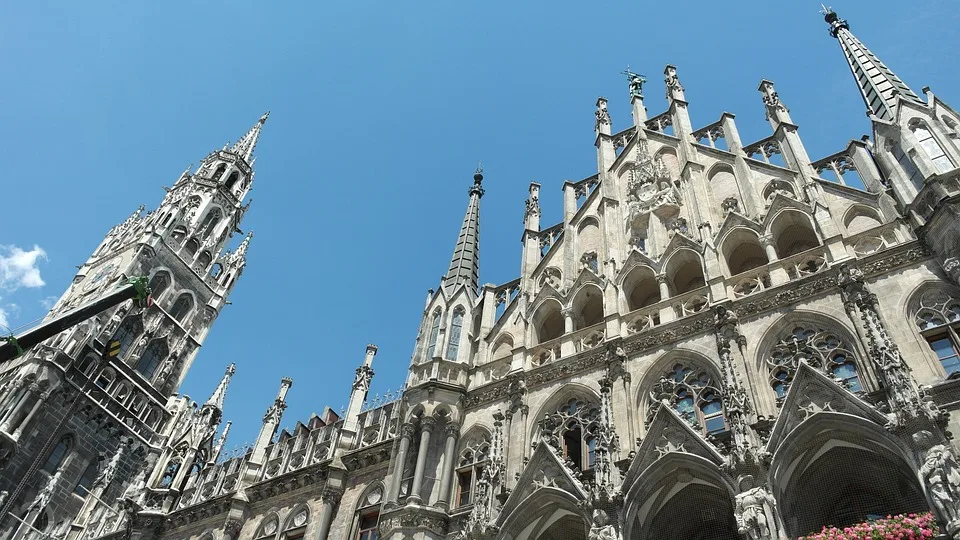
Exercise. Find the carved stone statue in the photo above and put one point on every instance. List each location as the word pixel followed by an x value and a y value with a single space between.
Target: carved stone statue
pixel 941 478
pixel 45 494
pixel 601 528
pixel 756 511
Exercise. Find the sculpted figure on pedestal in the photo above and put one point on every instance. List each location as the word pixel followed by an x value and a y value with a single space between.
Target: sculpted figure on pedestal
pixel 601 528
pixel 756 511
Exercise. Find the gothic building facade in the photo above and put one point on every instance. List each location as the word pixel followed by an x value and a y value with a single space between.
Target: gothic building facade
pixel 719 340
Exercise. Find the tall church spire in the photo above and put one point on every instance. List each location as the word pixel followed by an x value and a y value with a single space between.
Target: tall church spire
pixel 465 264
pixel 879 86
pixel 246 144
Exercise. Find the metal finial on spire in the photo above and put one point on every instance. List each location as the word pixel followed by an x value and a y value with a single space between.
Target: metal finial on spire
pixel 465 264
pixel 635 80
pixel 879 87
pixel 245 146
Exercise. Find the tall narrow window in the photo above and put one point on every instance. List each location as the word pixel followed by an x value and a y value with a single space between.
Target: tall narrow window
pixel 151 358
pixel 473 459
pixel 59 453
pixel 367 527
pixel 434 333
pixel 938 318
pixel 232 179
pixel 913 174
pixel 219 171
pixel 931 147
pixel 158 284
pixel 210 222
pixel 181 308
pixel 87 479
pixel 127 334
pixel 573 429
pixel 453 346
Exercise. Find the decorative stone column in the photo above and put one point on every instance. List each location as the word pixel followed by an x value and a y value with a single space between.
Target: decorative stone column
pixel 452 432
pixel 667 313
pixel 331 498
pixel 406 435
pixel 566 346
pixel 33 412
pixel 426 427
pixel 778 274
pixel 15 409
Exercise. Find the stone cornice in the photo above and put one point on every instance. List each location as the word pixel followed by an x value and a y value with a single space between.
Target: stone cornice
pixel 290 481
pixel 369 456
pixel 210 508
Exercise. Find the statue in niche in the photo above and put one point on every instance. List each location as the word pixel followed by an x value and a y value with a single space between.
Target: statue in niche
pixel 601 528
pixel 756 511
pixel 941 479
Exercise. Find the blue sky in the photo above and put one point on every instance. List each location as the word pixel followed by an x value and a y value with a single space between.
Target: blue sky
pixel 380 112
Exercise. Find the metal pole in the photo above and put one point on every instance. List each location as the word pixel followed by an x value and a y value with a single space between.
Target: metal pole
pixel 98 499
pixel 11 514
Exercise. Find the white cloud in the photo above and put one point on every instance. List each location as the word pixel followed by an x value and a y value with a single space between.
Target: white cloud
pixel 18 268
pixel 4 321
pixel 49 301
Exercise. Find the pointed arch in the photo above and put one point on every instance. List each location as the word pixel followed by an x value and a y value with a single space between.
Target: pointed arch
pixel 85 482
pixel 297 519
pixel 59 454
pixel 502 347
pixel 366 513
pixel 203 261
pixel 831 456
pixel 210 222
pixel 159 283
pixel 269 526
pixel 700 494
pixel 434 333
pixel 456 329
pixel 934 308
pixel 820 340
pixel 723 182
pixel 232 180
pixel 684 271
pixel 218 172
pixel 742 251
pixel 546 514
pixel 640 288
pixel 548 321
pixel 691 383
pixel 127 334
pixel 587 305
pixel 793 232
pixel 178 234
pixel 151 358
pixel 667 156
pixel 569 418
pixel 182 308
pixel 191 247
pixel 859 218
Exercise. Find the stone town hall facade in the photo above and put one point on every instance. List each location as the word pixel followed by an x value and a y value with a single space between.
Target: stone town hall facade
pixel 720 340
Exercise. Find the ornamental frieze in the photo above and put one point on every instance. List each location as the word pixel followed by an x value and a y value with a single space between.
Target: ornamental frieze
pixel 435 524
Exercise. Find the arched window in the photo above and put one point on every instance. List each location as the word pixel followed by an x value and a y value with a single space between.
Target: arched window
pixel 154 354
pixel 821 349
pixel 368 514
pixel 86 479
pixel 209 222
pixel 695 396
pixel 232 179
pixel 193 245
pixel 456 326
pixel 473 459
pixel 938 318
pixel 181 308
pixel 572 428
pixel 105 378
pixel 203 261
pixel 58 454
pixel 170 474
pixel 222 168
pixel 434 333
pixel 159 283
pixel 87 365
pixel 178 235
pixel 127 334
pixel 931 147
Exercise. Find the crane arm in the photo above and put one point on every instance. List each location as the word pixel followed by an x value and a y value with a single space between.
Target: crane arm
pixel 135 288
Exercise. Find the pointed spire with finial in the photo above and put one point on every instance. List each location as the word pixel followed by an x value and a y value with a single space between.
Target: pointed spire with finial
pixel 879 86
pixel 220 393
pixel 465 263
pixel 246 144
